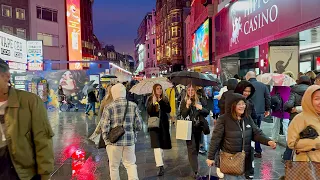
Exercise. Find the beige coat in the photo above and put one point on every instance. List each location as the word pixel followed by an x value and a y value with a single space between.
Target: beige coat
pixel 308 117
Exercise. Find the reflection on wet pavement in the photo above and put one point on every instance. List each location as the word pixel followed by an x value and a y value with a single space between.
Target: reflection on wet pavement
pixel 89 163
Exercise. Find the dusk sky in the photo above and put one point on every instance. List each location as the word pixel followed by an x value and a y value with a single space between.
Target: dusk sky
pixel 116 21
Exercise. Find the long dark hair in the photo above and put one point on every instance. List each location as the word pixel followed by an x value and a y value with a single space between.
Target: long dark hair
pixel 234 112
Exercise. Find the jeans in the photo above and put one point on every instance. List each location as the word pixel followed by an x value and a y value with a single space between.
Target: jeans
pixel 158 155
pixel 231 177
pixel 276 128
pixel 288 152
pixel 193 147
pixel 260 117
pixel 90 106
pixel 127 155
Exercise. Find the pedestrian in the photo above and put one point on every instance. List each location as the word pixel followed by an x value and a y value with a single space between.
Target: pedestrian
pixel 246 89
pixel 61 97
pixel 124 149
pixel 307 148
pixel 193 107
pixel 92 99
pixel 317 80
pixel 102 92
pixel 222 90
pixel 293 105
pixel 159 106
pixel 311 75
pixel 279 95
pixel 231 85
pixel 229 137
pixel 262 102
pixel 26 148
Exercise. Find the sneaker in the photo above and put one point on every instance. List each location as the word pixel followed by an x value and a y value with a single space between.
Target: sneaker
pixel 249 177
pixel 220 174
pixel 161 171
pixel 202 150
pixel 257 155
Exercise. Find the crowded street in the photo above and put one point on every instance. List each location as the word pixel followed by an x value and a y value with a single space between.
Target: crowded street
pixel 72 131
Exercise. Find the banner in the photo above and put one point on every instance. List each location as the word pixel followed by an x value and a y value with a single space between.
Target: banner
pixel 284 58
pixel 35 55
pixel 12 48
pixel 74 33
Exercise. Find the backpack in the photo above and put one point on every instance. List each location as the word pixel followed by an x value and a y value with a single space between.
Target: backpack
pixel 276 102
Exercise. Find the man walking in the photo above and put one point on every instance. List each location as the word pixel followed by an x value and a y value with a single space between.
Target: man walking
pixel 121 112
pixel 26 150
pixel 262 103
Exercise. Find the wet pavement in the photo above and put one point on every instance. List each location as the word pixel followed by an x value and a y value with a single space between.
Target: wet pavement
pixel 73 129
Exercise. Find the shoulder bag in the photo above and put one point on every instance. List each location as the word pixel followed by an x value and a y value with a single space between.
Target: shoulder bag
pixel 154 122
pixel 234 164
pixel 116 133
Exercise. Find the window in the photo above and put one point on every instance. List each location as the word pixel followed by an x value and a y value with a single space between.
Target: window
pixel 154 51
pixel 7 29
pixel 20 14
pixel 153 41
pixel 47 14
pixel 48 39
pixel 148 46
pixel 6 11
pixel 174 31
pixel 21 33
pixel 179 32
pixel 148 55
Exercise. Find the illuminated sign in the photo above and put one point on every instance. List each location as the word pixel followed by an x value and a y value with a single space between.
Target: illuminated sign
pixel 74 33
pixel 12 48
pixel 35 55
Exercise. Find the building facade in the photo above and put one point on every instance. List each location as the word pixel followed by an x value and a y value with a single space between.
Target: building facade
pixel 169 34
pixel 14 18
pixel 87 35
pixel 48 24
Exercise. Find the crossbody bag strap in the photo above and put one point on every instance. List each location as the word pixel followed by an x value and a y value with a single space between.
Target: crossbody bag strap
pixel 243 135
pixel 125 113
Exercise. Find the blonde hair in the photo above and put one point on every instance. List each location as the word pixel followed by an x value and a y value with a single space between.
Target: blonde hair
pixel 311 75
pixel 196 98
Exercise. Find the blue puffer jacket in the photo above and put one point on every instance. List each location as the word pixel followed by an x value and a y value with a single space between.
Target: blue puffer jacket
pixel 216 109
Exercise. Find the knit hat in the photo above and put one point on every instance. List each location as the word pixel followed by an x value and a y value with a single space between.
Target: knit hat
pixel 118 91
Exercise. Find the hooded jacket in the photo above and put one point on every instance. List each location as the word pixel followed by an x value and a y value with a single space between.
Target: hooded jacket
pixel 231 85
pixel 297 93
pixel 250 106
pixel 227 134
pixel 308 117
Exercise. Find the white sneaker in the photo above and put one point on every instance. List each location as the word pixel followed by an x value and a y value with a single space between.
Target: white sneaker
pixel 220 174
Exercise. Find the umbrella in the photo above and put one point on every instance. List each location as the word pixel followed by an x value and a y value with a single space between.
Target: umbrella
pixel 109 76
pixel 145 86
pixel 89 87
pixel 194 78
pixel 275 79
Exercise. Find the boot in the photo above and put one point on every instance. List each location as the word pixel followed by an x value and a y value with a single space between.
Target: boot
pixel 161 171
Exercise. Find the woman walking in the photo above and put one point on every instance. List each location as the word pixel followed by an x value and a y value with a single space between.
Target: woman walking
pixel 158 106
pixel 61 97
pixel 193 106
pixel 228 134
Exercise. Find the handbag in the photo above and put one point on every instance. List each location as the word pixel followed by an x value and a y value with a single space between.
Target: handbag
pixel 116 133
pixel 154 122
pixel 293 169
pixel 234 164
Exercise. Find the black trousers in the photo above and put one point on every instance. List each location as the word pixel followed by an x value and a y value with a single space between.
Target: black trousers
pixel 193 147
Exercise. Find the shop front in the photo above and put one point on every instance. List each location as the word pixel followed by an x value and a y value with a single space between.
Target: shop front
pixel 265 36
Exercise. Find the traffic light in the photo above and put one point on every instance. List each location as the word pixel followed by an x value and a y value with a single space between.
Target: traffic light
pixel 206 2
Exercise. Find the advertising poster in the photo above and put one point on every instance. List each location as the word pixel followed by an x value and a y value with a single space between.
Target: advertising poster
pixel 13 48
pixel 35 55
pixel 72 83
pixel 95 78
pixel 284 58
pixel 74 33
pixel 200 43
pixel 229 68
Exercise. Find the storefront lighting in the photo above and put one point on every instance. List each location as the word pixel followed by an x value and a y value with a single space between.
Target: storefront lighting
pixel 120 68
pixel 261 62
pixel 217 70
pixel 309 50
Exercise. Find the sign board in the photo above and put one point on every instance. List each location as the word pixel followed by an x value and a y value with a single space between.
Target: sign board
pixel 13 48
pixel 17 66
pixel 35 55
pixel 74 34
pixel 95 78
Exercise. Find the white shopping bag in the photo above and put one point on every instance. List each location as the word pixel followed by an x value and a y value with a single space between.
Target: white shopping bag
pixel 184 130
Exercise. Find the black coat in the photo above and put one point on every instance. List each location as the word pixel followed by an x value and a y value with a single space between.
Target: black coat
pixel 160 137
pixel 92 97
pixel 195 114
pixel 231 85
pixel 295 98
pixel 227 134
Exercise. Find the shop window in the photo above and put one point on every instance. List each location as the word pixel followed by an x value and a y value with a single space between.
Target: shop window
pixel 148 55
pixel 20 14
pixel 6 11
pixel 21 33
pixel 7 29
pixel 174 31
pixel 47 14
pixel 48 39
pixel 153 41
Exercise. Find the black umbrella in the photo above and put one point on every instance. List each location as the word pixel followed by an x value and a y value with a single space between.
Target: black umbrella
pixel 109 76
pixel 194 78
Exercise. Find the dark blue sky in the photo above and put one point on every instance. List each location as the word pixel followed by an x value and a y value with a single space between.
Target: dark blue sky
pixel 116 21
